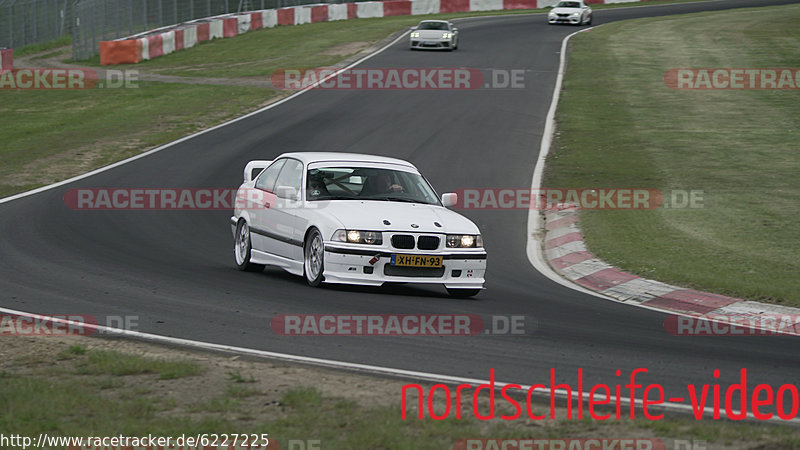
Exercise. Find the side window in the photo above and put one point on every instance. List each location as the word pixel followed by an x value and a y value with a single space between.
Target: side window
pixel 266 181
pixel 291 175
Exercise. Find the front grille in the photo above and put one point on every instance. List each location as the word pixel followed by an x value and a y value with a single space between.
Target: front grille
pixel 404 241
pixel 563 16
pixel 428 242
pixel 420 272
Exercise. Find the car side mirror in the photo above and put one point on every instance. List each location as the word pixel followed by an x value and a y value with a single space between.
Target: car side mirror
pixel 288 193
pixel 449 199
pixel 455 29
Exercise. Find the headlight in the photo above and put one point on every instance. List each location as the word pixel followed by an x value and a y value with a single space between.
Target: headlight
pixel 447 35
pixel 575 14
pixel 358 237
pixel 464 241
pixel 415 34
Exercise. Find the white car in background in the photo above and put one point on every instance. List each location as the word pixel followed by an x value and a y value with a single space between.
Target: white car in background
pixel 354 219
pixel 574 12
pixel 434 34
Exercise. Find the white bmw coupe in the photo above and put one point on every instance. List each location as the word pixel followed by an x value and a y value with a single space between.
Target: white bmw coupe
pixel 354 219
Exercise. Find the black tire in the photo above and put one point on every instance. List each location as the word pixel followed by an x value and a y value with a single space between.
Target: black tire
pixel 242 248
pixel 589 22
pixel 462 293
pixel 313 258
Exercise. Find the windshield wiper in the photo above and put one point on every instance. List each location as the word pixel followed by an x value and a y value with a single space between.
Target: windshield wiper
pixel 401 199
pixel 335 197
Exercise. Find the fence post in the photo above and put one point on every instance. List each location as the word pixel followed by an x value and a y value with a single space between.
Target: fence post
pixel 33 20
pixel 10 26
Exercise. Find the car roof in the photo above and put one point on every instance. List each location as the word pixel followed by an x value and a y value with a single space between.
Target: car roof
pixel 312 157
pixel 442 21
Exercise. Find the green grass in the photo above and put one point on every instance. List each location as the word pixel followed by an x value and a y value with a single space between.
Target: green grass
pixel 619 125
pixel 104 362
pixel 42 47
pixel 237 377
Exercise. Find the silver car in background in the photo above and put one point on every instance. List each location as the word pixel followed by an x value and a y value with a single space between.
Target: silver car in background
pixel 574 12
pixel 435 35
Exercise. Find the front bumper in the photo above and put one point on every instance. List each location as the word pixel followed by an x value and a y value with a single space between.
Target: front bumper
pixel 432 44
pixel 345 265
pixel 569 20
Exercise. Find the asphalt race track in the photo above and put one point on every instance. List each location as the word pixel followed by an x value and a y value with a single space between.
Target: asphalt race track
pixel 175 269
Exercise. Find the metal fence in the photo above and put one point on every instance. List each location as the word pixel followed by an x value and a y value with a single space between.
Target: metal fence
pixel 24 22
pixel 105 20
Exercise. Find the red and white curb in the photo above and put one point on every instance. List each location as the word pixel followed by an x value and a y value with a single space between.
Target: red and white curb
pixel 567 253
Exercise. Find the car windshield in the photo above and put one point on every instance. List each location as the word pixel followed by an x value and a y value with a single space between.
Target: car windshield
pixel 368 183
pixel 568 5
pixel 432 26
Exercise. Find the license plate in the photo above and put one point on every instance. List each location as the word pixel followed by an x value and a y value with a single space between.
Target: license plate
pixel 416 261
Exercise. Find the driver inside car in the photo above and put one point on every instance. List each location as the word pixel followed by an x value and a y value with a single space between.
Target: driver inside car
pixel 381 183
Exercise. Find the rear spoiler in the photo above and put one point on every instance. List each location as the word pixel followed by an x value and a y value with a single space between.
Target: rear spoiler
pixel 253 168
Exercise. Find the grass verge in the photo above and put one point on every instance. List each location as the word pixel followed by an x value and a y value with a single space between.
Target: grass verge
pixel 619 125
pixel 48 390
pixel 42 47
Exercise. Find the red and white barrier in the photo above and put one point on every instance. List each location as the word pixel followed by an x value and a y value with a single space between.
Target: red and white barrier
pixel 6 60
pixel 337 12
pixel 167 40
pixel 366 10
pixel 302 14
pixel 269 18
